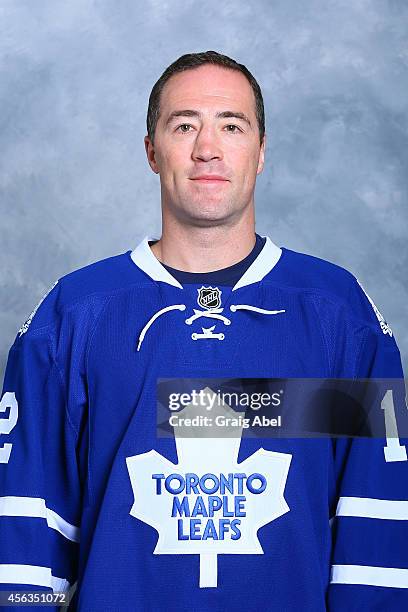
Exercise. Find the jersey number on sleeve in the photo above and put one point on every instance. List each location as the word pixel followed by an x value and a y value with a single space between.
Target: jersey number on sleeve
pixel 394 451
pixel 7 423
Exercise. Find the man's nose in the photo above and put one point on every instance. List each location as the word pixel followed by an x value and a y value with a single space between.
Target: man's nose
pixel 206 145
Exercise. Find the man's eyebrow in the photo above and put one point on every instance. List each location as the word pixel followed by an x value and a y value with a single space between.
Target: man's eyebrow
pixel 193 113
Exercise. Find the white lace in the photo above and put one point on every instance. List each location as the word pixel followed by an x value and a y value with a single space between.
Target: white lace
pixel 154 317
pixel 235 307
pixel 210 314
pixel 214 313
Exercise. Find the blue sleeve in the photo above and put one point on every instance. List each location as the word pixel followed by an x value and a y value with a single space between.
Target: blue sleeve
pixel 370 527
pixel 40 487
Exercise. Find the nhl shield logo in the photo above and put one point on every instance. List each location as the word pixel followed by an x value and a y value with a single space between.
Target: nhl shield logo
pixel 209 297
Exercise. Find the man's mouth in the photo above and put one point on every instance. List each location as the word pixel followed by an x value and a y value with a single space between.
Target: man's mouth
pixel 209 178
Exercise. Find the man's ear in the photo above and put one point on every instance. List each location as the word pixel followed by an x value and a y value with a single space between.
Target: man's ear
pixel 261 161
pixel 151 155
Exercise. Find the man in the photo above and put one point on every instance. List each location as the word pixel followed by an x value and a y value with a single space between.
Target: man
pixel 93 495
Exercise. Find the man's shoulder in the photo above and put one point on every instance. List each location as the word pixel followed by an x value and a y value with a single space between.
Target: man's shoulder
pixel 313 274
pixel 104 276
pixel 87 288
pixel 324 280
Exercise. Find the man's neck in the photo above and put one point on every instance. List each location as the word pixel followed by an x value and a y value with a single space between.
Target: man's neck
pixel 200 249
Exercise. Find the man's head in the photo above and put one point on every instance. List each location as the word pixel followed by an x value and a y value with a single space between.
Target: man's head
pixel 222 133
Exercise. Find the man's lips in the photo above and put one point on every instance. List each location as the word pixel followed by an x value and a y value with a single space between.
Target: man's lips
pixel 209 178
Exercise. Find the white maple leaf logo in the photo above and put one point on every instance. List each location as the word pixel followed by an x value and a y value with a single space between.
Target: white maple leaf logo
pixel 208 504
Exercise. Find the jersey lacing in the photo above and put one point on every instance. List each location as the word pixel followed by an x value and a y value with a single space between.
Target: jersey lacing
pixel 213 313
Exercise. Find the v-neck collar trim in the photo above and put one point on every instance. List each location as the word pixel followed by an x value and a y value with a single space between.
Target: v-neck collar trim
pixel 145 259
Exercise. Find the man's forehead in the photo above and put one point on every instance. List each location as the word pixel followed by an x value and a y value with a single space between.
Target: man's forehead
pixel 206 86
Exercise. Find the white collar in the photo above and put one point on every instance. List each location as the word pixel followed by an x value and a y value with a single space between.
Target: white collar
pixel 267 259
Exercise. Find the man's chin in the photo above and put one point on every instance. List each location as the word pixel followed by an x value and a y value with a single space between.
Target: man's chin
pixel 213 211
pixel 209 218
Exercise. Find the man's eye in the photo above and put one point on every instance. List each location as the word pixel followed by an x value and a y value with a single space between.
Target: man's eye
pixel 232 126
pixel 182 126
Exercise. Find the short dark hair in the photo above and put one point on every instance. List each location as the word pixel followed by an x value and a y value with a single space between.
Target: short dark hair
pixel 194 60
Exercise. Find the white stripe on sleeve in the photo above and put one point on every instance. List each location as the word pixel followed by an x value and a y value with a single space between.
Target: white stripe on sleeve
pixel 32 574
pixel 368 507
pixel 370 576
pixel 35 507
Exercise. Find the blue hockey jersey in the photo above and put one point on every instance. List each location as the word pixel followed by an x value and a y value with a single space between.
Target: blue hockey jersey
pixel 91 496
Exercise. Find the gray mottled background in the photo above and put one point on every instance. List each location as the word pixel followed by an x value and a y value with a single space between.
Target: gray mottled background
pixel 74 182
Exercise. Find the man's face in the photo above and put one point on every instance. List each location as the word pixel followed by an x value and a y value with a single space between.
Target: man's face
pixel 201 142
